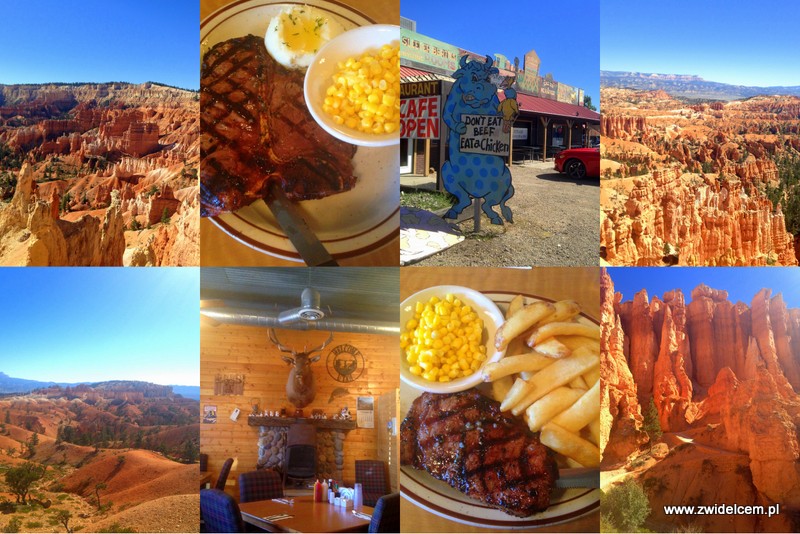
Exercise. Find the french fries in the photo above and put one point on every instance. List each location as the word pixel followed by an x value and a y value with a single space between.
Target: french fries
pixel 571 445
pixel 552 404
pixel 563 329
pixel 521 321
pixel 564 311
pixel 515 364
pixel 517 344
pixel 585 410
pixel 551 376
pixel 553 347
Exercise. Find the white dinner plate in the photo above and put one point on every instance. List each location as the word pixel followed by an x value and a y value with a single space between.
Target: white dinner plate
pixel 349 224
pixel 439 498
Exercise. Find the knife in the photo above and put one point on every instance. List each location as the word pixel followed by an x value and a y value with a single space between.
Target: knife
pixel 296 229
pixel 578 478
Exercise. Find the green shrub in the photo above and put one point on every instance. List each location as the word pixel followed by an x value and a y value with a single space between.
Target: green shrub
pixel 34 524
pixel 13 525
pixel 626 506
pixel 116 527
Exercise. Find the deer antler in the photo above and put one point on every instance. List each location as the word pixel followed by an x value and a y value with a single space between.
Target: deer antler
pixel 325 344
pixel 283 348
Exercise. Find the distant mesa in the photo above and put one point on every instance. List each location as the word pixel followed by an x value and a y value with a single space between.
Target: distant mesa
pixel 11 385
pixel 689 86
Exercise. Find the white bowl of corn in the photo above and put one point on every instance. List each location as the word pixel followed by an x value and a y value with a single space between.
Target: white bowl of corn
pixel 352 88
pixel 446 337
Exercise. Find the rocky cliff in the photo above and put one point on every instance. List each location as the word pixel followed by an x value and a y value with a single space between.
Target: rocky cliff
pixel 695 184
pixel 84 142
pixel 726 373
pixel 669 217
pixel 31 234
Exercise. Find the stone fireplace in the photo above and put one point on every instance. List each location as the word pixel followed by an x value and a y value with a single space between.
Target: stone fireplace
pixel 272 440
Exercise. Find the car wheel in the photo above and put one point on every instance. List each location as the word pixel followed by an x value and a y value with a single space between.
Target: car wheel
pixel 575 169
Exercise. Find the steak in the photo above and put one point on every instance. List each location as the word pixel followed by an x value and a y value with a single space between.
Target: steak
pixel 255 127
pixel 465 440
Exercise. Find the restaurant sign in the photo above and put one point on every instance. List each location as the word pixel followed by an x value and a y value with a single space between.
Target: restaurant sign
pixel 426 51
pixel 484 135
pixel 420 110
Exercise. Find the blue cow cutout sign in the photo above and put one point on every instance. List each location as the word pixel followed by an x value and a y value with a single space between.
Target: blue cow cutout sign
pixel 476 167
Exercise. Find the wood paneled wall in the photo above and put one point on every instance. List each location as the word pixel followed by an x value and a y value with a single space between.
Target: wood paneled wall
pixel 246 350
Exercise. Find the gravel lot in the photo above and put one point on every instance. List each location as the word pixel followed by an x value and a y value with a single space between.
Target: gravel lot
pixel 556 223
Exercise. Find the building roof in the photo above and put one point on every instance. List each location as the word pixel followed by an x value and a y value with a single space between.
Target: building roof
pixel 530 103
pixel 545 106
pixel 409 74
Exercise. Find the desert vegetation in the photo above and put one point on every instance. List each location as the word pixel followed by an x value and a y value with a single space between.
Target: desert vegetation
pixel 89 458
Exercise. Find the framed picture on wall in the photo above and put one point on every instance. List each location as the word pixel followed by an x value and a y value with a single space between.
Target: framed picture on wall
pixel 365 412
pixel 209 414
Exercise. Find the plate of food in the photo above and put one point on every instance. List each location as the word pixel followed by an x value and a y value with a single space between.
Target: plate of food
pixel 490 456
pixel 256 128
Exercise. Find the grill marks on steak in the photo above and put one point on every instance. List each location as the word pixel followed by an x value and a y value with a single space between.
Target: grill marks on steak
pixel 465 440
pixel 255 127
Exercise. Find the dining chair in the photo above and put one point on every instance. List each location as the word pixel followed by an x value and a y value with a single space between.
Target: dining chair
pixel 386 516
pixel 374 480
pixel 219 512
pixel 223 474
pixel 260 485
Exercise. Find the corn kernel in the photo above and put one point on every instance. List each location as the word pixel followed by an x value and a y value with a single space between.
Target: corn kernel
pixel 364 92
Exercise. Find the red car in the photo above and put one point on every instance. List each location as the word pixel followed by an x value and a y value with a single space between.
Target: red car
pixel 579 162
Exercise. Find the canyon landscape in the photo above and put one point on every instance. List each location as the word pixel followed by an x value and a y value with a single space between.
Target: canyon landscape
pixel 699 404
pixel 99 174
pixel 116 456
pixel 698 181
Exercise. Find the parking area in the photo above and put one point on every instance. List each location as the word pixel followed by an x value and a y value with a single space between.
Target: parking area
pixel 556 222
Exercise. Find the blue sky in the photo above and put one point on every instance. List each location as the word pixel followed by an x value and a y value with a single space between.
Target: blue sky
pixel 732 41
pixel 101 323
pixel 564 35
pixel 741 283
pixel 100 41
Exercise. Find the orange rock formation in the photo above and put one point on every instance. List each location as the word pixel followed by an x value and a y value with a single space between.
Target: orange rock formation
pixel 726 373
pixel 687 184
pixel 87 142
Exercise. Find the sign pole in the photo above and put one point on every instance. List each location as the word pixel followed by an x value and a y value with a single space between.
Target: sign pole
pixel 445 135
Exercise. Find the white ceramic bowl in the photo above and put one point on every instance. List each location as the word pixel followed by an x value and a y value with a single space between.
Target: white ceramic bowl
pixel 352 43
pixel 492 319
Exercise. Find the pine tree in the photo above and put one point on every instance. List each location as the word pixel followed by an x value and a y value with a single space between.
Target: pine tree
pixel 652 425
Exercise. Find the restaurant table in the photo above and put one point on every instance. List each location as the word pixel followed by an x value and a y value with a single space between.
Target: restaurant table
pixel 219 249
pixel 205 478
pixel 309 516
pixel 580 284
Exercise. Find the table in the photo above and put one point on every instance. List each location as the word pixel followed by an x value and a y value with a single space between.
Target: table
pixel 205 478
pixel 580 284
pixel 309 516
pixel 528 152
pixel 219 249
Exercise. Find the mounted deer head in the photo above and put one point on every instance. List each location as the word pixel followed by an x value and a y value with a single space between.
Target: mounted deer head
pixel 300 389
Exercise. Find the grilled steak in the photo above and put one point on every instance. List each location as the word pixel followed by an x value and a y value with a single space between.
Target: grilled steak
pixel 255 127
pixel 465 440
